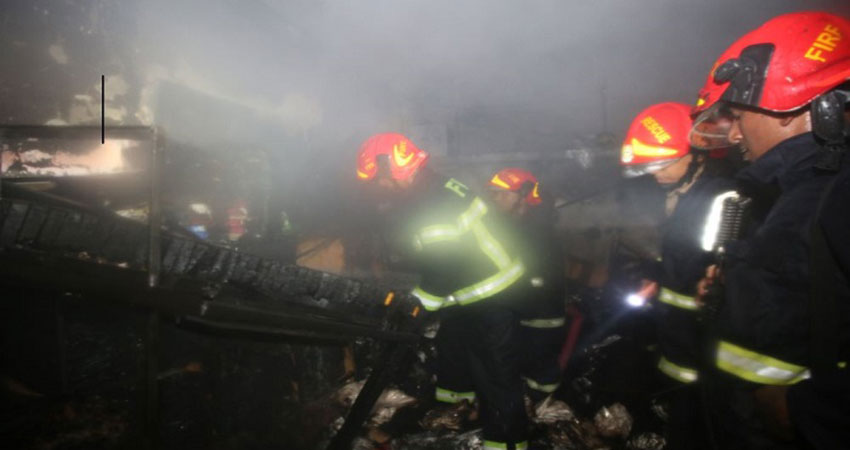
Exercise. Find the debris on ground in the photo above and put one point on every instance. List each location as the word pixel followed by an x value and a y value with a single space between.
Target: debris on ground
pixel 390 401
pixel 448 416
pixel 550 411
pixel 647 441
pixel 430 440
pixel 613 421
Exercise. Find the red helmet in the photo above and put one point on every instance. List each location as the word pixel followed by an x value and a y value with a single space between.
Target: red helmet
pixel 404 157
pixel 657 137
pixel 783 65
pixel 514 179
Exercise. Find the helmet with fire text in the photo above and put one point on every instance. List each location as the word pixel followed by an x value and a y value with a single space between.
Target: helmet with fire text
pixel 520 181
pixel 657 137
pixel 392 152
pixel 788 63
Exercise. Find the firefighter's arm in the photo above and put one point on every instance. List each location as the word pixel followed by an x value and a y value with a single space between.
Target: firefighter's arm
pixel 438 264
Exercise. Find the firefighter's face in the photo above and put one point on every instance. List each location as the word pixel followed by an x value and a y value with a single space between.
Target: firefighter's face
pixel 508 201
pixel 386 191
pixel 390 184
pixel 756 132
pixel 673 173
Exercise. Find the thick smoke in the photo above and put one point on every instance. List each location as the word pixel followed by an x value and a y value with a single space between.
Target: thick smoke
pixel 307 80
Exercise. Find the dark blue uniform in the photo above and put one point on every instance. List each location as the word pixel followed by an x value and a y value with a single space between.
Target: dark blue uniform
pixel 680 338
pixel 764 323
pixel 542 308
pixel 683 265
pixel 820 406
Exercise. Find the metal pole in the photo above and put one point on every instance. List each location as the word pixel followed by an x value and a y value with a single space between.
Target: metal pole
pixel 152 329
pixel 155 214
pixel 389 361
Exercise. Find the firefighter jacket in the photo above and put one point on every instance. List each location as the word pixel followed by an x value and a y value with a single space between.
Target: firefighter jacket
pixel 683 264
pixel 764 323
pixel 544 284
pixel 458 246
pixel 820 406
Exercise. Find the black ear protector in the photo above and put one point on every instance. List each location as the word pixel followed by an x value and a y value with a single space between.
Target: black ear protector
pixel 745 74
pixel 828 116
pixel 829 125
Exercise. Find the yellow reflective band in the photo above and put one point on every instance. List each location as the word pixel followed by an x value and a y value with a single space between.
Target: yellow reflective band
pixel 448 396
pixel 677 372
pixel 445 232
pixel 544 323
pixel 509 272
pixel 498 182
pixel 490 246
pixel 487 288
pixel 429 301
pixel 493 445
pixel 475 211
pixel 534 193
pixel 547 388
pixel 678 300
pixel 438 233
pixel 457 187
pixel 758 368
pixel 490 286
pixel 362 175
pixel 641 149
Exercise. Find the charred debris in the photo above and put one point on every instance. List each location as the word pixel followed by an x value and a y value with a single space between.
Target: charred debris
pixel 126 328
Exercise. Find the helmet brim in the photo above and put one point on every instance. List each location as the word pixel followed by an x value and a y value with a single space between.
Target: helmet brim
pixel 637 170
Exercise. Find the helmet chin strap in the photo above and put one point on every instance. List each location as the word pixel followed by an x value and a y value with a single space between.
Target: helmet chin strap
pixel 693 167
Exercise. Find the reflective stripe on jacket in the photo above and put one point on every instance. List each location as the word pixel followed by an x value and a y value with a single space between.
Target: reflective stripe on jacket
pixel 758 368
pixel 678 300
pixel 677 372
pixel 458 246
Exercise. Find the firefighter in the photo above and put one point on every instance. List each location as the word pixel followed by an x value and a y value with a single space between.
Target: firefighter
pixel 657 143
pixel 468 276
pixel 784 321
pixel 516 193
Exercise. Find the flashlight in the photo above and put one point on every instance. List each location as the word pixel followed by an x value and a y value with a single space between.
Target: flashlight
pixel 635 300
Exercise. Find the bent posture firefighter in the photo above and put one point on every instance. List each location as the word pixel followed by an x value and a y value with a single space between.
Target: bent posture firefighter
pixel 468 276
pixel 516 193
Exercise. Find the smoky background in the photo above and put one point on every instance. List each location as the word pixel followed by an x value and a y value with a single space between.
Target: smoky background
pixel 271 98
pixel 263 103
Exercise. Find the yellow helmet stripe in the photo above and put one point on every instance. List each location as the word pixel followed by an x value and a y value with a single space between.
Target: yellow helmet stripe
pixel 498 182
pixel 641 149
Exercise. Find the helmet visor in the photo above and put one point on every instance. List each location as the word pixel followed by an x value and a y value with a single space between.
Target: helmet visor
pixel 710 130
